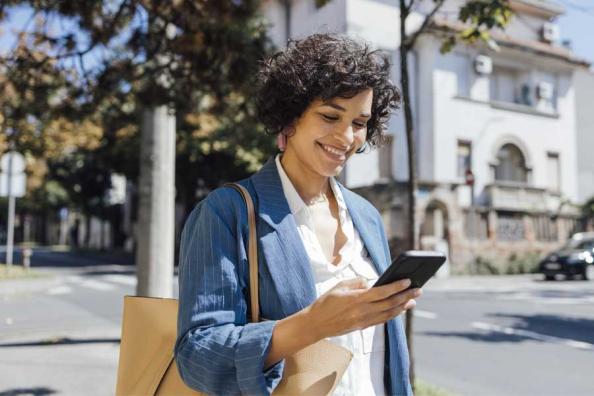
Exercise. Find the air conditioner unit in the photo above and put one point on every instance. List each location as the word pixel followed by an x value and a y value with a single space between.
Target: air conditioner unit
pixel 483 64
pixel 544 90
pixel 549 32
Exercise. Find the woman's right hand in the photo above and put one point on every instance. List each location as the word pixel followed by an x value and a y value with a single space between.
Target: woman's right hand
pixel 351 305
pixel 348 306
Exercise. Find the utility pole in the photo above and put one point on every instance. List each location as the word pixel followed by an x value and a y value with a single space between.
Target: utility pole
pixel 156 211
pixel 12 185
pixel 155 235
pixel 10 225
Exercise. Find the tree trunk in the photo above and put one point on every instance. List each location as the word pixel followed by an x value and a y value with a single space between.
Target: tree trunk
pixel 412 169
pixel 88 222
pixel 156 209
pixel 102 230
pixel 44 238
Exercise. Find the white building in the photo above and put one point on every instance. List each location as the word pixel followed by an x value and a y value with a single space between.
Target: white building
pixel 584 83
pixel 508 116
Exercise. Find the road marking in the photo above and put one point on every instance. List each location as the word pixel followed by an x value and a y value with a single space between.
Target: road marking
pixel 532 334
pixel 74 279
pixel 548 300
pixel 58 290
pixel 128 280
pixel 504 284
pixel 424 314
pixel 93 284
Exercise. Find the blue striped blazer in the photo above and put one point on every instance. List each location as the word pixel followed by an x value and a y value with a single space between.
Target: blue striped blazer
pixel 217 350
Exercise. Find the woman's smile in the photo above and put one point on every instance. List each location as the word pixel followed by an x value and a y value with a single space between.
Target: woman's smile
pixel 333 153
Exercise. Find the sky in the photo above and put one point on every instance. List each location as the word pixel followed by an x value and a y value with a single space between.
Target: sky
pixel 577 25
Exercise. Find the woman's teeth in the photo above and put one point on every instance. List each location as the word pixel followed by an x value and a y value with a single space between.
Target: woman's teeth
pixel 332 150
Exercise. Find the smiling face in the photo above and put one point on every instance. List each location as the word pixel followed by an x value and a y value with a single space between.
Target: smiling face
pixel 329 132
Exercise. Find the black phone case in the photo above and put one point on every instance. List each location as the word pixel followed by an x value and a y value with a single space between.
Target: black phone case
pixel 417 265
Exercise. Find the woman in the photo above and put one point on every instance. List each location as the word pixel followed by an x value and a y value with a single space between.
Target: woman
pixel 321 245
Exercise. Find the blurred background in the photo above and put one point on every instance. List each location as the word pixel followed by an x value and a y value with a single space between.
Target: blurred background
pixel 118 116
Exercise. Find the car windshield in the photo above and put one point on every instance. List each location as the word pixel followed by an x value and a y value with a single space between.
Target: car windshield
pixel 583 244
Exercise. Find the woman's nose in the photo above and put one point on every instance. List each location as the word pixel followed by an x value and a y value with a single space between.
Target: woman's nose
pixel 348 136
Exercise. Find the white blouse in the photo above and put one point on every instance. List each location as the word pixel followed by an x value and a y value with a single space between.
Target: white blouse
pixel 365 374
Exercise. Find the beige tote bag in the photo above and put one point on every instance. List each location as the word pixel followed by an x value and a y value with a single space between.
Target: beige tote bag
pixel 149 330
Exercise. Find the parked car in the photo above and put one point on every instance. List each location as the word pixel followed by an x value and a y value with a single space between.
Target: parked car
pixel 576 257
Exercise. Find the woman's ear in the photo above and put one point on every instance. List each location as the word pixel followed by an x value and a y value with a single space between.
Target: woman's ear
pixel 281 138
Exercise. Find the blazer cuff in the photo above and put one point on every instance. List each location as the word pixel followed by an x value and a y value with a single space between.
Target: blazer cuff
pixel 250 356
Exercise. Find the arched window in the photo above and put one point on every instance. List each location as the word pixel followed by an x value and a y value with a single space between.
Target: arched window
pixel 511 165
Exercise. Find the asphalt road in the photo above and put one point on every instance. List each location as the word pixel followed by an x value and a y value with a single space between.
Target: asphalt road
pixel 506 336
pixel 473 336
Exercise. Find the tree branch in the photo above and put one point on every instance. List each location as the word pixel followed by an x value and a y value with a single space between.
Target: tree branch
pixel 409 43
pixel 92 44
pixel 109 28
pixel 408 8
pixel 85 74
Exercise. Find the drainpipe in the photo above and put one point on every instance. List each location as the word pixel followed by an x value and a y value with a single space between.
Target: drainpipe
pixel 287 6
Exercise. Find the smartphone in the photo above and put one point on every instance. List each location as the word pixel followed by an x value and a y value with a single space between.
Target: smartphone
pixel 417 265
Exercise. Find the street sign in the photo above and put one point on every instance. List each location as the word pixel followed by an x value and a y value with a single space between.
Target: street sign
pixel 17 165
pixel 469 177
pixel 12 185
pixel 17 184
pixel 63 214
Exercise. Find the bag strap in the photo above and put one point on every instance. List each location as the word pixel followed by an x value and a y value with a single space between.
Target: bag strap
pixel 252 250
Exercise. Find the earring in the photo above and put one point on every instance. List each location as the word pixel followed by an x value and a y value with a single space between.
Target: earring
pixel 281 138
pixel 281 141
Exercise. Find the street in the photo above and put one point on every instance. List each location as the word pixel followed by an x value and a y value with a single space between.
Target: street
pixel 514 335
pixel 60 334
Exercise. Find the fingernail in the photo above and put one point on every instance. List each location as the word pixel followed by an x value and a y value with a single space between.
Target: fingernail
pixel 406 282
pixel 418 292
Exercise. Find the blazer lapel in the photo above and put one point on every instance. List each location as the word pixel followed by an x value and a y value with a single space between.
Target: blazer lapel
pixel 283 250
pixel 364 224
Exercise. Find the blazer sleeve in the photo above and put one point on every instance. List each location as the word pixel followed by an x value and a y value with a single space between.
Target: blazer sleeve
pixel 217 351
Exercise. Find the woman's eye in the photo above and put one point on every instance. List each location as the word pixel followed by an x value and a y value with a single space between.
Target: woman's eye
pixel 332 118
pixel 329 117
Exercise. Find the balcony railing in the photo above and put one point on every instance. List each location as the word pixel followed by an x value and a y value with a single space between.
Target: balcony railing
pixel 517 197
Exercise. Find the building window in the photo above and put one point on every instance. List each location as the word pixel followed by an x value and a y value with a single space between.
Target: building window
pixel 511 85
pixel 545 228
pixel 511 165
pixel 525 97
pixel 464 159
pixel 554 172
pixel 510 226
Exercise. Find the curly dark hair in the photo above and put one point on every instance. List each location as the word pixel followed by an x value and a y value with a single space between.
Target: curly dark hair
pixel 324 66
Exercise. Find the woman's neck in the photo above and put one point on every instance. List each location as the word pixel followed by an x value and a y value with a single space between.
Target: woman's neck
pixel 310 186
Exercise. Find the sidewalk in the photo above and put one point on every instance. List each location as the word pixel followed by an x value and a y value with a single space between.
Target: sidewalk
pixel 61 343
pixel 57 348
pixel 84 363
pixel 27 285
